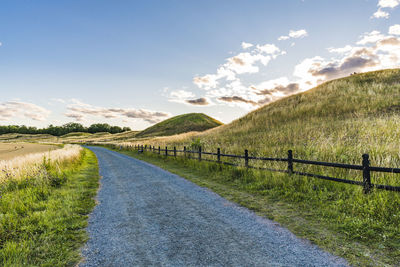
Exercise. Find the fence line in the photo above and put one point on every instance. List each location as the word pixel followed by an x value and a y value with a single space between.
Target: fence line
pixel 365 167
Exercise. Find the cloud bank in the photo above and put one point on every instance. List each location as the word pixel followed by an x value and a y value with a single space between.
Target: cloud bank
pixel 79 111
pixel 13 109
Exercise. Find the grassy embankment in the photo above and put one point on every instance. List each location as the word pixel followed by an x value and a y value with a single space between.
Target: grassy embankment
pixel 336 122
pixel 44 206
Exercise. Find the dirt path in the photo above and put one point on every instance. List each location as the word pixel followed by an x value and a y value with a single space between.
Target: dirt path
pixel 149 217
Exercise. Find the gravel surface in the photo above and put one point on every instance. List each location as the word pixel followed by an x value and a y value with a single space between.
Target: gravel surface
pixel 149 217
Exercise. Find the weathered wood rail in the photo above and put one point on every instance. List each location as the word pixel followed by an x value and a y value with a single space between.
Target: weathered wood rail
pixel 365 167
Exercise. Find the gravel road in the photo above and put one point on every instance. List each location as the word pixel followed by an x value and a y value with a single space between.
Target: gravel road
pixel 149 217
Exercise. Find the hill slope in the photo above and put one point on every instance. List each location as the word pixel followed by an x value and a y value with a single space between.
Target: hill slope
pixel 181 124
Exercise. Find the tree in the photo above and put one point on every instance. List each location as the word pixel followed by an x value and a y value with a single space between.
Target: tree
pixel 64 129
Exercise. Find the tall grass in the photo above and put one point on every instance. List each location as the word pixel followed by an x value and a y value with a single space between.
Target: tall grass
pixel 45 199
pixel 32 164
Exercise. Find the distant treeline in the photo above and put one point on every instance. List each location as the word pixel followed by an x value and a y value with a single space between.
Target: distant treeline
pixel 64 129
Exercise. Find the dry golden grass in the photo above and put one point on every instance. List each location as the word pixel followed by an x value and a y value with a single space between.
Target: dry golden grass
pixel 29 164
pixel 12 150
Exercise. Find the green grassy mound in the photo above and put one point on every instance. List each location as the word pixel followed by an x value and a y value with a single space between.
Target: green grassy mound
pixel 76 134
pixel 181 124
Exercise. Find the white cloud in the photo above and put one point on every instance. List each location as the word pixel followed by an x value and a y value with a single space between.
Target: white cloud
pixel 370 37
pixel 268 48
pixel 340 50
pixel 294 34
pixel 380 14
pixel 181 94
pixel 207 81
pixel 245 62
pixel 79 111
pixel 395 29
pixel 13 109
pixel 298 34
pixel 385 4
pixel 388 3
pixel 246 45
pixel 283 37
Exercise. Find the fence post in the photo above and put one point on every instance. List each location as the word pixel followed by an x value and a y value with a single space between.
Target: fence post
pixel 199 153
pixel 290 161
pixel 175 151
pixel 159 150
pixel 166 151
pixel 366 174
pixel 246 158
pixel 184 151
pixel 219 155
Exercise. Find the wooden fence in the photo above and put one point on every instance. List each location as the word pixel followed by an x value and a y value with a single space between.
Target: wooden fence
pixel 365 167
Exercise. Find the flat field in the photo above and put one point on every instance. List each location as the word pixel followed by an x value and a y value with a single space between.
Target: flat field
pixel 12 150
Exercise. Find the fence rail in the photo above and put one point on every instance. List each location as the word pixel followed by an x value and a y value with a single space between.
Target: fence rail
pixel 365 167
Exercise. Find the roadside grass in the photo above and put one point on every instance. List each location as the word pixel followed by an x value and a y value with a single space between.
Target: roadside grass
pixel 43 216
pixel 364 229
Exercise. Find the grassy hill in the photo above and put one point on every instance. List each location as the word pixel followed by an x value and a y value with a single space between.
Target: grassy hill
pixel 181 124
pixel 15 137
pixel 337 121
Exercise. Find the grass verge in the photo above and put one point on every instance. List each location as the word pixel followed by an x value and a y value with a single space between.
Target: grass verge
pixel 43 218
pixel 344 224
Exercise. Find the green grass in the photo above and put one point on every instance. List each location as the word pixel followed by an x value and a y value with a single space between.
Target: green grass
pixel 337 217
pixel 76 134
pixel 43 218
pixel 180 124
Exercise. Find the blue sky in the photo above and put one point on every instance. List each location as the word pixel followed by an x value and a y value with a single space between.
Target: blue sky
pixel 133 63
